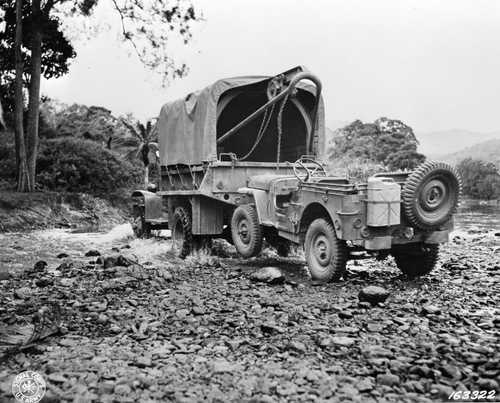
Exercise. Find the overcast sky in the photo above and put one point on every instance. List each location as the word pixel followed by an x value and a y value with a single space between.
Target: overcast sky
pixel 434 64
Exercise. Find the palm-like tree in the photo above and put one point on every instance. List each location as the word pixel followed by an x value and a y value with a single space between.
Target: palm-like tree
pixel 143 141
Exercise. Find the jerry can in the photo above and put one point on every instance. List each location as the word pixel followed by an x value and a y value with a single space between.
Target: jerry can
pixel 383 202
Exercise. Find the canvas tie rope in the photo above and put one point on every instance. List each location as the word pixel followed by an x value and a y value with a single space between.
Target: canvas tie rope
pixel 280 128
pixel 263 127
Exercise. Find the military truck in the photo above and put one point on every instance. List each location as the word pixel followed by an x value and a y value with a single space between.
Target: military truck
pixel 244 159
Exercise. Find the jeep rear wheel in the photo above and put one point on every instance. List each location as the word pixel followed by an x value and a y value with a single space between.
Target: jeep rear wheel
pixel 246 231
pixel 326 255
pixel 182 236
pixel 416 260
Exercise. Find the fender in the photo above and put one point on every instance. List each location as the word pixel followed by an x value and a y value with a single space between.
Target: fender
pixel 152 203
pixel 262 204
pixel 315 210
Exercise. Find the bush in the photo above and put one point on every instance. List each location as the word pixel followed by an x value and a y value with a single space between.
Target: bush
pixel 386 142
pixel 77 165
pixel 480 179
pixel 7 157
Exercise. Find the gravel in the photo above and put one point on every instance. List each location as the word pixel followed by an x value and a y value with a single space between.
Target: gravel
pixel 155 328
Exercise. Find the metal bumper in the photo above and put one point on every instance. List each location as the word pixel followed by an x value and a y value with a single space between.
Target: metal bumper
pixel 385 242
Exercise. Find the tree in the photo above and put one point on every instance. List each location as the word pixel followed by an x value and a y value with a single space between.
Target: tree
pixel 386 141
pixel 144 143
pixel 24 180
pixel 480 180
pixel 2 120
pixel 146 25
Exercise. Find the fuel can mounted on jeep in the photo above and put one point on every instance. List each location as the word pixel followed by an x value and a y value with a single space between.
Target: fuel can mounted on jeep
pixel 244 159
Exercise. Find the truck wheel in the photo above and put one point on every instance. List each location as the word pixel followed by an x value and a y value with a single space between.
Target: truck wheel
pixel 182 236
pixel 246 231
pixel 430 194
pixel 326 255
pixel 416 260
pixel 141 228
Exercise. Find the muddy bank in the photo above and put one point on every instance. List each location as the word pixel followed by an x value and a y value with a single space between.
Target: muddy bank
pixel 28 211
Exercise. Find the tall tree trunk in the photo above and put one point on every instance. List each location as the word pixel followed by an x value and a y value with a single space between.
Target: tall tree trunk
pixel 34 91
pixel 146 176
pixel 2 122
pixel 23 180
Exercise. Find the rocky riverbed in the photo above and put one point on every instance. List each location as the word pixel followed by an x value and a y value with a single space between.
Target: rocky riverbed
pixel 136 324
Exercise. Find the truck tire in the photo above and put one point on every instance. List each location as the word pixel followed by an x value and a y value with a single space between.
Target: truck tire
pixel 182 235
pixel 141 228
pixel 416 260
pixel 326 255
pixel 246 231
pixel 430 195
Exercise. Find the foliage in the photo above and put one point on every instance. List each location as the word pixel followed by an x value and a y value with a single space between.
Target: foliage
pixel 144 142
pixel 355 169
pixel 480 180
pixel 57 51
pixel 88 122
pixel 78 165
pixel 32 44
pixel 386 142
pixel 148 26
pixel 143 139
pixel 7 156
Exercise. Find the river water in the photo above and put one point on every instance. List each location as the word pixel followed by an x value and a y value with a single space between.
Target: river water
pixel 478 214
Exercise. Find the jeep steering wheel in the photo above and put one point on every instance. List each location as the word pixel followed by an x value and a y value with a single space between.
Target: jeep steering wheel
pixel 303 173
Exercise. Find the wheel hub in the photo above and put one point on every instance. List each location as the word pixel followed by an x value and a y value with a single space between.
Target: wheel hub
pixel 243 232
pixel 433 195
pixel 321 250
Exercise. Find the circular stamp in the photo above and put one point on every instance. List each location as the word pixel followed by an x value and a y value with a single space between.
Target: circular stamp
pixel 28 387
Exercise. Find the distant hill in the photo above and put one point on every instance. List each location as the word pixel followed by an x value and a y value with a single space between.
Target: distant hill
pixel 488 150
pixel 451 141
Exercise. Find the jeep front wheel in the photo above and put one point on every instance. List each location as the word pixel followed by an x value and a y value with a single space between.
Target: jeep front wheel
pixel 326 255
pixel 246 231
pixel 416 260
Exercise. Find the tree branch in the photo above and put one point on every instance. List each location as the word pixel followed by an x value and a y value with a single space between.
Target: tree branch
pixel 126 34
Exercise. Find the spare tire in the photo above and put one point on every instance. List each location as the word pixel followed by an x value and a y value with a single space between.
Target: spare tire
pixel 431 194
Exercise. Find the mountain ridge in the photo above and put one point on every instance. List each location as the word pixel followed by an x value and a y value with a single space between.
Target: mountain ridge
pixel 488 150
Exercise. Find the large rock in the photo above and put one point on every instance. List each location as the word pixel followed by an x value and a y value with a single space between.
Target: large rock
pixel 270 275
pixel 93 252
pixel 388 379
pixel 373 294
pixel 40 266
pixel 114 260
pixel 23 293
pixel 343 341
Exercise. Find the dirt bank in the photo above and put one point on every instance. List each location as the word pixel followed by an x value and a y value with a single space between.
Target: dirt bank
pixel 27 211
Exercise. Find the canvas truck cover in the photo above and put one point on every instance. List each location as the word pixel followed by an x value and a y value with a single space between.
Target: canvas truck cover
pixel 188 128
